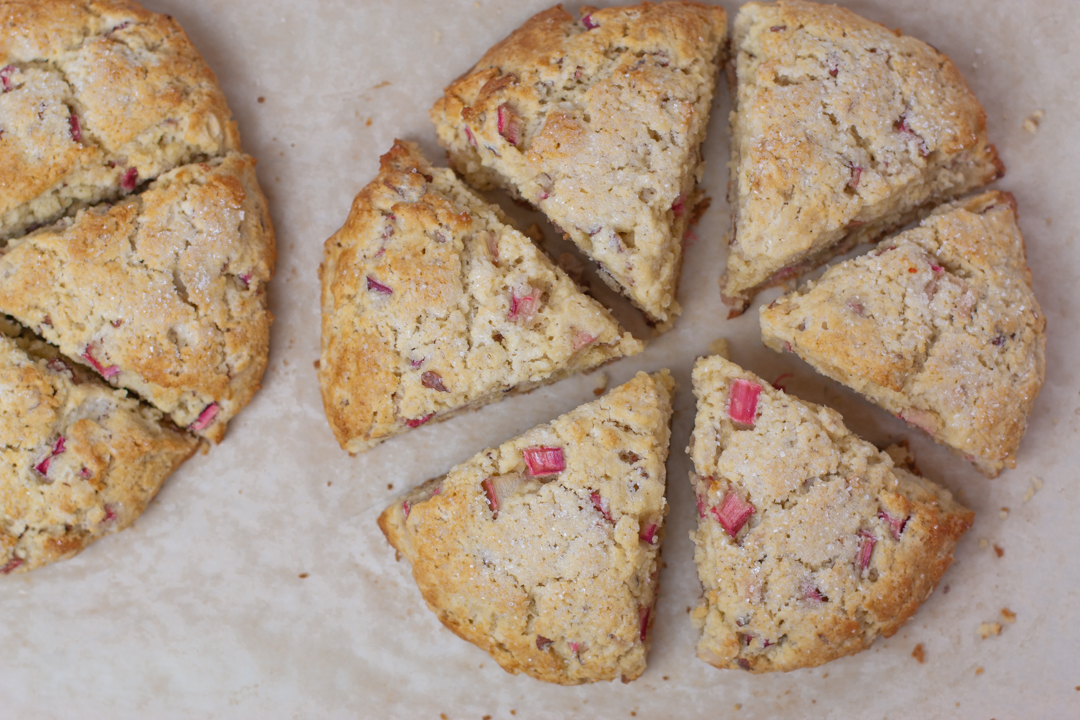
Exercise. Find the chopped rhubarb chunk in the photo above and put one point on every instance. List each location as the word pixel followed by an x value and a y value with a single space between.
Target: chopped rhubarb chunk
pixel 542 643
pixel 493 498
pixel 856 173
pixel 643 613
pixel 130 179
pixel 581 339
pixel 601 506
pixel 679 205
pixel 405 507
pixel 417 422
pixel 246 279
pixel 105 372
pixel 743 401
pixel 510 125
pixel 523 307
pixel 5 76
pixel 415 364
pixel 937 268
pixel 701 505
pixel 813 594
pixel 589 23
pixel 922 419
pixel 778 383
pixel 433 381
pixel 76 131
pixel 14 562
pixel 544 460
pixel 649 534
pixel 205 418
pixel 733 513
pixel 85 472
pixel 896 525
pixel 58 447
pixel 110 512
pixel 470 136
pixel 373 284
pixel 866 549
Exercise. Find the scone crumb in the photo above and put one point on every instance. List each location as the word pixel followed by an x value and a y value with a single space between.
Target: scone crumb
pixel 919 654
pixel 738 706
pixel 602 380
pixel 1004 513
pixel 978 671
pixel 1036 486
pixel 317 364
pixel 1008 616
pixel 988 629
pixel 984 543
pixel 719 346
pixel 998 550
pixel 1031 124
pixel 303 575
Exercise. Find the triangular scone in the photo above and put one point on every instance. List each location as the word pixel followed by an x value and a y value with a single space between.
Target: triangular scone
pixel 842 130
pixel 939 326
pixel 810 542
pixel 545 551
pixel 598 123
pixel 433 304
pixel 96 97
pixel 78 459
pixel 162 293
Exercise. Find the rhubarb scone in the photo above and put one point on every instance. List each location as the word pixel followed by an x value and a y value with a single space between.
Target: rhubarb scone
pixel 78 459
pixel 433 304
pixel 841 131
pixel 939 326
pixel 545 551
pixel 162 293
pixel 97 97
pixel 810 542
pixel 599 123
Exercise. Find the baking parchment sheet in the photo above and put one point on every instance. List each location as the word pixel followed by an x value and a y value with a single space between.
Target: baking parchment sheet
pixel 258 585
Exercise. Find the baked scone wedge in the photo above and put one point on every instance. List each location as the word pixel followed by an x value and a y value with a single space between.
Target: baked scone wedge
pixel 432 304
pixel 810 542
pixel 545 550
pixel 599 123
pixel 97 97
pixel 162 293
pixel 841 131
pixel 78 459
pixel 939 326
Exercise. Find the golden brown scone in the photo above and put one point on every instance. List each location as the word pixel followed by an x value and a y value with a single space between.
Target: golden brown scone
pixel 78 459
pixel 96 97
pixel 939 326
pixel 433 304
pixel 545 551
pixel 842 130
pixel 599 124
pixel 810 542
pixel 162 293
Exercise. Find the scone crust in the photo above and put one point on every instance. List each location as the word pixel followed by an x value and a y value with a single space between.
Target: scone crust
pixel 432 303
pixel 939 326
pixel 164 291
pixel 841 131
pixel 611 111
pixel 789 590
pixel 114 456
pixel 98 97
pixel 561 583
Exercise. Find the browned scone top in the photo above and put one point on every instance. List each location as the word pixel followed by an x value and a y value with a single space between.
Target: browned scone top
pixel 432 303
pixel 162 293
pixel 550 563
pixel 598 123
pixel 96 97
pixel 78 459
pixel 810 543
pixel 841 131
pixel 939 326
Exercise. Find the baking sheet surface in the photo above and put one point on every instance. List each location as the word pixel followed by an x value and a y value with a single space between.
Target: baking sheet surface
pixel 258 585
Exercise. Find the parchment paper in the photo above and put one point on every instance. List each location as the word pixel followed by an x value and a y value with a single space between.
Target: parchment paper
pixel 258 585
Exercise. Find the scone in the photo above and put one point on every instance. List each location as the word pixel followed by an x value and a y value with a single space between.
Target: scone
pixel 162 293
pixel 810 542
pixel 78 459
pixel 841 131
pixel 433 304
pixel 598 123
pixel 97 97
pixel 939 326
pixel 544 551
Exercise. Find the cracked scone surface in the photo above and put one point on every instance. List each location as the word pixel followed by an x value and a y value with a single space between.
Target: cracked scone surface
pixel 599 124
pixel 162 293
pixel 97 96
pixel 939 325
pixel 432 304
pixel 841 131
pixel 78 459
pixel 553 574
pixel 842 545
